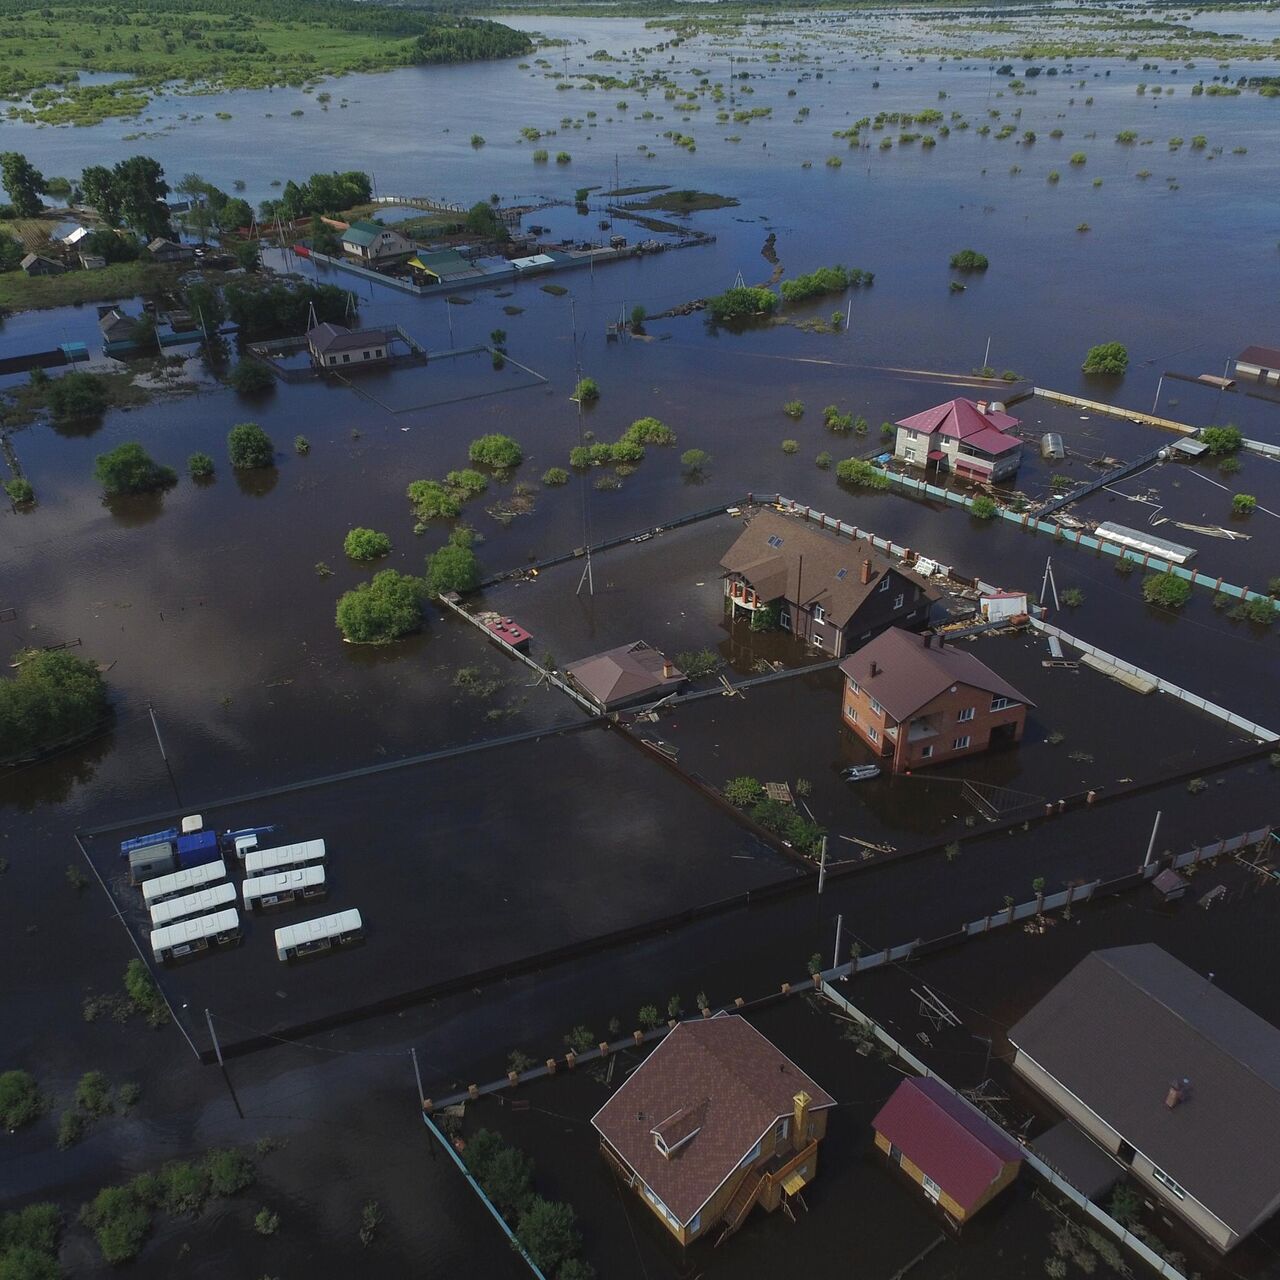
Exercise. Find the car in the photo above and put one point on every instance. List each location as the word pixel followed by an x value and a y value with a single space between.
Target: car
pixel 860 772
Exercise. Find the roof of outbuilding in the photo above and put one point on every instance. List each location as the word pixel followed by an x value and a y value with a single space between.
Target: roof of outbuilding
pixel 785 558
pixel 956 1146
pixel 1127 1023
pixel 910 674
pixel 719 1085
pixel 630 671
pixel 1267 357
pixel 959 418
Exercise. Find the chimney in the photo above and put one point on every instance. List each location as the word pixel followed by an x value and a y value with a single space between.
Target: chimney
pixel 800 1119
pixel 928 641
pixel 866 572
pixel 982 406
pixel 875 669
pixel 667 669
pixel 1177 1093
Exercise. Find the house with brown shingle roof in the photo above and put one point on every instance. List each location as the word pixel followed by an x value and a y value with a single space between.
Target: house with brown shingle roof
pixel 630 674
pixel 920 702
pixel 831 592
pixel 716 1121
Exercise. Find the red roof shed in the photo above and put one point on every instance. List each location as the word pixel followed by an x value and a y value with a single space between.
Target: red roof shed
pixel 953 1146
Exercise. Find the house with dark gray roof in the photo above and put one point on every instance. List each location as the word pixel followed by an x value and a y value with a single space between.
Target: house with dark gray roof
pixel 1168 1073
pixel 919 702
pixel 716 1121
pixel 372 243
pixel 832 592
pixel 333 346
pixel 630 674
pixel 36 265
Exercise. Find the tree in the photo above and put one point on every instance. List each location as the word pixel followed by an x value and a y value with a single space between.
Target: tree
pixel 20 1101
pixel 98 186
pixel 141 189
pixel 24 183
pixel 695 460
pixel 1221 440
pixel 119 1221
pixel 383 610
pixel 553 476
pixel 77 396
pixel 969 260
pixel 453 567
pixel 250 447
pixel 548 1232
pixel 856 471
pixel 248 256
pixel 649 431
pixel 508 1181
pixel 586 392
pixel 200 466
pixel 11 253
pixel 366 544
pixel 249 377
pixel 235 215
pixel 109 245
pixel 1107 357
pixel 743 791
pixel 432 501
pixel 496 451
pixel 128 468
pixel 984 507
pixel 741 304
pixel 53 697
pixel 1167 590
pixel 482 220
pixel 1243 503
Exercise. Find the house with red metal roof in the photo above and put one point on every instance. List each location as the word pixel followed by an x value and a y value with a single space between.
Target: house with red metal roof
pixel 715 1121
pixel 920 702
pixel 969 438
pixel 960 1159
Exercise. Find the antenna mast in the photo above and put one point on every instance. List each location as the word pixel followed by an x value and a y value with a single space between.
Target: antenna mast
pixel 587 576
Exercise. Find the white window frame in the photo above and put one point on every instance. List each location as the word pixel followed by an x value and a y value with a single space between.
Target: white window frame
pixel 1167 1182
pixel 753 1154
pixel 931 1188
pixel 854 686
pixel 873 733
pixel 899 601
pixel 876 707
pixel 817 641
pixel 784 1129
pixel 1000 703
pixel 819 613
pixel 965 714
pixel 926 753
pixel 884 583
pixel 962 744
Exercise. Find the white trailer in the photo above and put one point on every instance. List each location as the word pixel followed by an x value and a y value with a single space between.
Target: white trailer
pixel 199 934
pixel 200 903
pixel 285 857
pixel 177 883
pixel 281 887
pixel 318 935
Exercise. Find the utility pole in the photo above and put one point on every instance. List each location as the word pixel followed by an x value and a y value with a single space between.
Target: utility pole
pixel 417 1074
pixel 217 1049
pixel 587 576
pixel 835 959
pixel 151 711
pixel 1159 387
pixel 1047 583
pixel 986 359
pixel 1151 844
pixel 822 866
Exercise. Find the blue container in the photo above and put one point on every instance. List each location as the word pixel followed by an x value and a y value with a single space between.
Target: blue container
pixel 141 842
pixel 196 850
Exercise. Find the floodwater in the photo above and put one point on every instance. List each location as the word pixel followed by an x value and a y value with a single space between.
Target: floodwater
pixel 208 602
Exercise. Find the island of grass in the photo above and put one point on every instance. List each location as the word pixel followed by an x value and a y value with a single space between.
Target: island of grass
pixel 215 44
pixel 20 292
pixel 685 201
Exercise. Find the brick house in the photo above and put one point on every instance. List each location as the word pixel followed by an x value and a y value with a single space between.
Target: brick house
pixel 953 1152
pixel 921 702
pixel 967 437
pixel 714 1122
pixel 829 591
pixel 333 345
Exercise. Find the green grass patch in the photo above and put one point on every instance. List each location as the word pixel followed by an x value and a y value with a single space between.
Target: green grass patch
pixel 686 201
pixel 19 292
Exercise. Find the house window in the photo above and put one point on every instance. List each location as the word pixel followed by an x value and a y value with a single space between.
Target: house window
pixel 817 641
pixel 960 744
pixel 819 614
pixel 670 1217
pixel 364 355
pixel 753 1154
pixel 926 753
pixel 784 620
pixel 894 1154
pixel 784 1128
pixel 966 714
pixel 873 733
pixel 333 359
pixel 854 687
pixel 999 704
pixel 909 453
pixel 899 601
pixel 696 1225
pixel 346 359
pixel 850 712
pixel 931 1188
pixel 876 707
pixel 884 583
pixel 1163 1178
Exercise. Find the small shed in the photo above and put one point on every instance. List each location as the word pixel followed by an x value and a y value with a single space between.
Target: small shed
pixel 626 676
pixel 1170 886
pixel 959 1157
pixel 92 261
pixel 1262 363
pixel 36 265
pixel 150 861
pixel 163 250
pixel 1003 604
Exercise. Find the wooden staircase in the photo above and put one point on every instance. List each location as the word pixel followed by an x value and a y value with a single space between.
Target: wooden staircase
pixel 742 1203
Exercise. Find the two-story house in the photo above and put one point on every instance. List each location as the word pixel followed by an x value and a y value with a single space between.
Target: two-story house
pixel 968 438
pixel 829 591
pixel 372 244
pixel 715 1121
pixel 919 702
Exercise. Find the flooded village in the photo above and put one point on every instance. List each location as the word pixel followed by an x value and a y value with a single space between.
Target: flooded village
pixel 642 644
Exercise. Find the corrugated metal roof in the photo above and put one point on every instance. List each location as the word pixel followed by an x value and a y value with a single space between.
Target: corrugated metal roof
pixel 962 1151
pixel 1264 357
pixel 958 418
